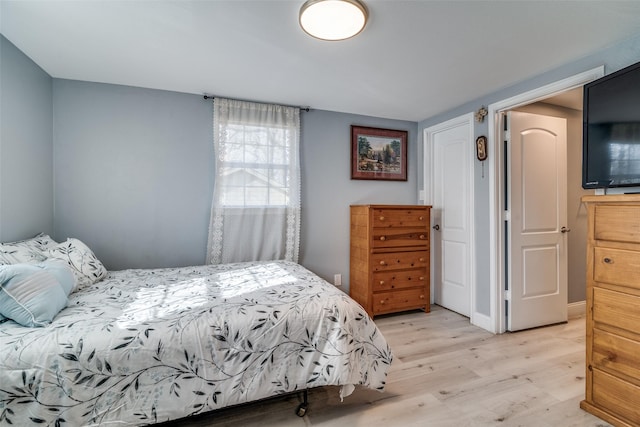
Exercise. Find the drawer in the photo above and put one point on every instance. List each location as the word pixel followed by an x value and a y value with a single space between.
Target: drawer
pixel 617 266
pixel 389 280
pixel 399 260
pixel 410 217
pixel 616 396
pixel 616 353
pixel 617 223
pixel 387 302
pixel 398 238
pixel 616 309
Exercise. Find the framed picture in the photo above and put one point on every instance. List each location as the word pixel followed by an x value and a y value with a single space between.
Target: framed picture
pixel 378 154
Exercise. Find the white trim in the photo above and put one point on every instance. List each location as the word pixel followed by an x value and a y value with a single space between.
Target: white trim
pixel 575 310
pixel 428 149
pixel 482 321
pixel 496 178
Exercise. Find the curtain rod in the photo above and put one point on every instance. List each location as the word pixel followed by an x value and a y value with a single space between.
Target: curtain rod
pixel 305 109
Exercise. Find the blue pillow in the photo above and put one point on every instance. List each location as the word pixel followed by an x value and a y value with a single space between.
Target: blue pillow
pixel 32 294
pixel 61 271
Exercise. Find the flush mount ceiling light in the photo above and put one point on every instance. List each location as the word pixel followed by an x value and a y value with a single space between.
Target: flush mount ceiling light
pixel 333 19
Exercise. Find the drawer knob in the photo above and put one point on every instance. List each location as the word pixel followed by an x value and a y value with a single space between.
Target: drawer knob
pixel 383 262
pixel 421 296
pixel 383 238
pixel 381 218
pixel 421 277
pixel 422 237
pixel 421 218
pixel 421 259
pixel 381 302
pixel 382 282
pixel 608 261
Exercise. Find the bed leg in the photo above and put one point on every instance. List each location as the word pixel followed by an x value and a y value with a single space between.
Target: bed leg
pixel 302 408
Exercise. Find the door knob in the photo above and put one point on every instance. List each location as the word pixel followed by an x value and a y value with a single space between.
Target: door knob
pixel 436 227
pixel 565 230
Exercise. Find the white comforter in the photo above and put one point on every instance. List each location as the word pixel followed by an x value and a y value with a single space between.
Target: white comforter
pixel 144 346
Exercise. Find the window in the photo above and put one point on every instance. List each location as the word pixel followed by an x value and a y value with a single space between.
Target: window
pixel 255 213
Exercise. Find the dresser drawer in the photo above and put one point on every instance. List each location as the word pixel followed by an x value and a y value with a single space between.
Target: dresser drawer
pixel 402 279
pixel 399 238
pixel 616 396
pixel 617 223
pixel 387 302
pixel 399 260
pixel 617 266
pixel 616 353
pixel 410 217
pixel 616 309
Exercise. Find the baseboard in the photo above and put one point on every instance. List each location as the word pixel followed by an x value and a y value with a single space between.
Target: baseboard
pixel 576 309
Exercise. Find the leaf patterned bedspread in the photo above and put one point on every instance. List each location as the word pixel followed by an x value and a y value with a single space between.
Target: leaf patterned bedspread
pixel 145 346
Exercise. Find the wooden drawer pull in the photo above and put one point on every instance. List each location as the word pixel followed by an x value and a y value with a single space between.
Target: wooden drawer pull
pixel 422 237
pixel 382 238
pixel 421 259
pixel 608 261
pixel 382 282
pixel 421 218
pixel 381 218
pixel 421 296
pixel 382 302
pixel 383 262
pixel 421 277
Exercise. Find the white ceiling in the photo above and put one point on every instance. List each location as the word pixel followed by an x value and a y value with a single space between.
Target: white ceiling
pixel 415 59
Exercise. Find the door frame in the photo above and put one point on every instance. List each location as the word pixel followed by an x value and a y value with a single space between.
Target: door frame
pixel 428 151
pixel 497 184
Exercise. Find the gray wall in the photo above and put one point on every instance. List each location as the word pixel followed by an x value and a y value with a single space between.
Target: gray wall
pixel 614 58
pixel 26 171
pixel 327 188
pixel 134 175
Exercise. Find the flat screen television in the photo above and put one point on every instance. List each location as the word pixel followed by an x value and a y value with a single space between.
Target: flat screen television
pixel 611 130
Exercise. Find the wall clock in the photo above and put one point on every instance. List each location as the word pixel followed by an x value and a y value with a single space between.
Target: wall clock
pixel 481 148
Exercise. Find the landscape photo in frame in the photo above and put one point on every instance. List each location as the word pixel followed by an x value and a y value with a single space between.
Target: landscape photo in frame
pixel 379 154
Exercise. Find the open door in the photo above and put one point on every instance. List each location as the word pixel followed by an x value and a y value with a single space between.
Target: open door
pixel 536 201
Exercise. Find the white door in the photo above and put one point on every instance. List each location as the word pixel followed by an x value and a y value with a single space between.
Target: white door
pixel 453 150
pixel 536 232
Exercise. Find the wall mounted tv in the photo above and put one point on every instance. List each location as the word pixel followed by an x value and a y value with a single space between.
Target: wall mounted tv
pixel 611 130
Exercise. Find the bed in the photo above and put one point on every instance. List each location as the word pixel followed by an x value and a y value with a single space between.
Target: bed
pixel 146 346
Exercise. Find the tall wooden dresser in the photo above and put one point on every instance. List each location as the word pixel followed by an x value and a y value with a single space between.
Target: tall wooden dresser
pixel 389 267
pixel 613 309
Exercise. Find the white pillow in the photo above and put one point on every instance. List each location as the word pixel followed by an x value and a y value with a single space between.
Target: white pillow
pixel 84 264
pixel 29 250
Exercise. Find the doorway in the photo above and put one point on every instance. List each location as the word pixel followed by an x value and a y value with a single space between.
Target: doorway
pixel 500 255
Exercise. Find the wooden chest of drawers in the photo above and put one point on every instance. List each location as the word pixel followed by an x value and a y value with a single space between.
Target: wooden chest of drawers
pixel 389 267
pixel 613 309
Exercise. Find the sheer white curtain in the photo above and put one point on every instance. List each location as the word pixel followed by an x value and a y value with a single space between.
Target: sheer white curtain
pixel 255 213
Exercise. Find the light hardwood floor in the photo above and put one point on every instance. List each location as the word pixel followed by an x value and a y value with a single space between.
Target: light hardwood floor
pixel 447 372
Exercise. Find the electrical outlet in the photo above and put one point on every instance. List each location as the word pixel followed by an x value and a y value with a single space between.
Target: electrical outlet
pixel 337 279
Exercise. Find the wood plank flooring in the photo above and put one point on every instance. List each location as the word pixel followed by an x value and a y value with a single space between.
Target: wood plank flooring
pixel 447 372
